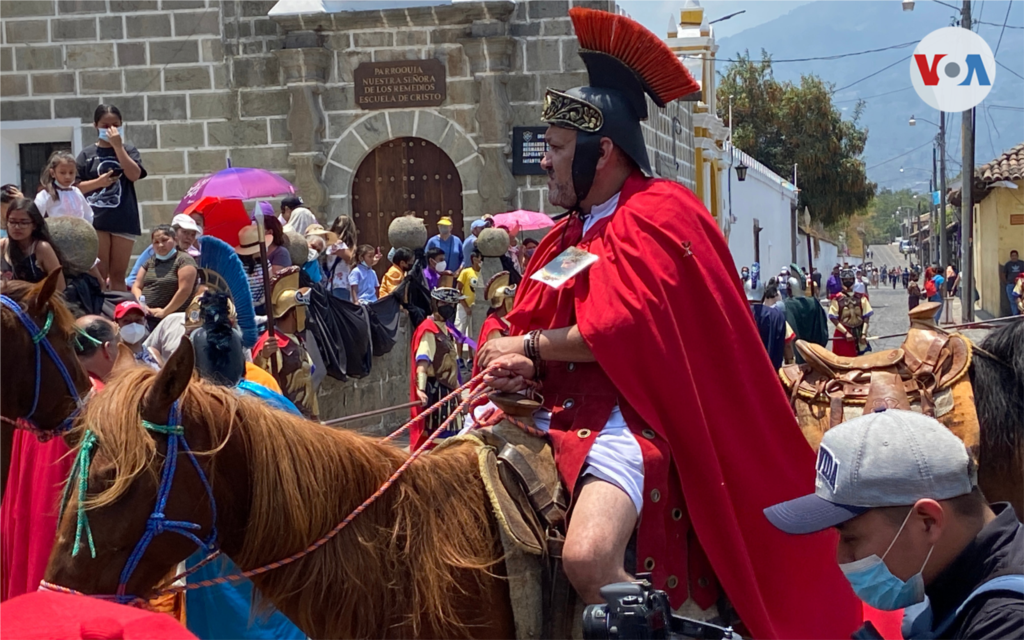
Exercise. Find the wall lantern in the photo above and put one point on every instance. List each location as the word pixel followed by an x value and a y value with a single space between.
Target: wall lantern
pixel 741 171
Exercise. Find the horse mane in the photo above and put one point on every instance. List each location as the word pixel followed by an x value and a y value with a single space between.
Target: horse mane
pixel 997 377
pixel 401 564
pixel 21 292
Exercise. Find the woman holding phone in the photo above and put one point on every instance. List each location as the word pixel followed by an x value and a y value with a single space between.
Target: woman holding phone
pixel 107 171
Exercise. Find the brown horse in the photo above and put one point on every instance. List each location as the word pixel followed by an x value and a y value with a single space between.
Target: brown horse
pixel 18 363
pixel 423 560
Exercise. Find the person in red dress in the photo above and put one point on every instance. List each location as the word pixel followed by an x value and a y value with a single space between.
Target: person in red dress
pixel 661 405
pixel 28 514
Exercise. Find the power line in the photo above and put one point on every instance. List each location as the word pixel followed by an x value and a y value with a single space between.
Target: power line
pixel 877 95
pixel 996 24
pixel 899 156
pixel 1000 41
pixel 1010 70
pixel 836 56
pixel 987 117
pixel 871 75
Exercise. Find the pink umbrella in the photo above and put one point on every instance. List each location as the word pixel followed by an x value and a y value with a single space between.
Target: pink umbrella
pixel 524 220
pixel 237 183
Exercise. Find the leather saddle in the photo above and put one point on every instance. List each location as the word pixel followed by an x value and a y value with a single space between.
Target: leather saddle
pixel 930 361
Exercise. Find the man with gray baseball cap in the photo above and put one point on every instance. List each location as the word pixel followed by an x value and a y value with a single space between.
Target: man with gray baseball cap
pixel 915 531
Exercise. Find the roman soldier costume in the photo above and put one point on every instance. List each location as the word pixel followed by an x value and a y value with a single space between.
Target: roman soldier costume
pixel 500 295
pixel 434 347
pixel 678 365
pixel 850 312
pixel 292 365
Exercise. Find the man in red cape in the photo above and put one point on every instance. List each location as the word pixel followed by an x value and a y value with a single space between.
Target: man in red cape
pixel 652 350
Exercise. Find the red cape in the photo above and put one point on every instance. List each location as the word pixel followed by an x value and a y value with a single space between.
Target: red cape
pixel 28 514
pixel 664 314
pixel 416 432
pixel 282 341
pixel 492 323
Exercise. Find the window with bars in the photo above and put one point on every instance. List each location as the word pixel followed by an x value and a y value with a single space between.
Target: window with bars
pixel 34 156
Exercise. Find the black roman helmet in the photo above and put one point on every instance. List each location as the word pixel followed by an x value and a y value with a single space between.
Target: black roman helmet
pixel 624 61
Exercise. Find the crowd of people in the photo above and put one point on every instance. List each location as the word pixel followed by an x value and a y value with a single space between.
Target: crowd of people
pixel 849 305
pixel 156 301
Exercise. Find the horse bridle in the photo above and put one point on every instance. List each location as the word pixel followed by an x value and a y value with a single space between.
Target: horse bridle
pixel 157 522
pixel 39 338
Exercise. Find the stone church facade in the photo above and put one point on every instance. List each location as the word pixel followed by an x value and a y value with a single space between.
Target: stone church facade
pixel 202 83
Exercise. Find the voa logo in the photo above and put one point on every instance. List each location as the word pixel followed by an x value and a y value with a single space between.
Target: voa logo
pixel 952 69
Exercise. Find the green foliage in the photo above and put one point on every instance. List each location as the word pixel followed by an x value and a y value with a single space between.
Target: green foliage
pixel 782 124
pixel 888 210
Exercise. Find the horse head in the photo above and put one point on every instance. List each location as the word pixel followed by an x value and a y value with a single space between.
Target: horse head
pixel 111 538
pixel 35 391
pixel 997 377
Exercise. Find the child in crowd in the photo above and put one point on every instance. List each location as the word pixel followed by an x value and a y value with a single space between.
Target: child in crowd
pixel 60 197
pixel 402 261
pixel 363 278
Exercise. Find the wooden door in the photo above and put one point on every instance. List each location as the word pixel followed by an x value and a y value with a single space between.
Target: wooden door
pixel 404 176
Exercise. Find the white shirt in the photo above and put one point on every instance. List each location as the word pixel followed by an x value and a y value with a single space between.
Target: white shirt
pixel 165 338
pixel 69 202
pixel 600 211
pixel 342 270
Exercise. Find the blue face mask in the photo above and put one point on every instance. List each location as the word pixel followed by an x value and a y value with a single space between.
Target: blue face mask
pixel 166 256
pixel 877 586
pixel 103 133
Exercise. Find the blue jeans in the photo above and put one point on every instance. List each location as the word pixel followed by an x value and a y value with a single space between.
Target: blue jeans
pixel 342 294
pixel 942 304
pixel 1013 302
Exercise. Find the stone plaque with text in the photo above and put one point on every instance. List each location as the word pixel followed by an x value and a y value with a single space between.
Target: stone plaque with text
pixel 400 84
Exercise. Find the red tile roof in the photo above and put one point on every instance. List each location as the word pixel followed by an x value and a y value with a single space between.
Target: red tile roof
pixel 1009 166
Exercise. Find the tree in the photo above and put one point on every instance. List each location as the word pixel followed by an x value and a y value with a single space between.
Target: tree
pixel 887 212
pixel 781 124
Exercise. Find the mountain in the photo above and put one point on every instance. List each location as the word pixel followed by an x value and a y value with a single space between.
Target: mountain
pixel 825 28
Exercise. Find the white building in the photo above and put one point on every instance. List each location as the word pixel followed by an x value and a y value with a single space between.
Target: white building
pixel 761 218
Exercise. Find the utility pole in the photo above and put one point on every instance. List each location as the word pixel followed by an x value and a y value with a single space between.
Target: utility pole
pixel 943 240
pixel 794 208
pixel 933 250
pixel 966 198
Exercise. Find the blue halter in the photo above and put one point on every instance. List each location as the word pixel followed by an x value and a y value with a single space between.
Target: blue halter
pixel 39 338
pixel 157 522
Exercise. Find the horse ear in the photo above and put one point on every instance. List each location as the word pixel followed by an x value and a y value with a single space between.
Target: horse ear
pixel 45 291
pixel 125 360
pixel 170 383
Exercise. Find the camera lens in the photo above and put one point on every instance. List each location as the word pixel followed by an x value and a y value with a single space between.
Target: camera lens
pixel 595 622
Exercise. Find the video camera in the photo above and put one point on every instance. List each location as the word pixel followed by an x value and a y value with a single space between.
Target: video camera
pixel 636 610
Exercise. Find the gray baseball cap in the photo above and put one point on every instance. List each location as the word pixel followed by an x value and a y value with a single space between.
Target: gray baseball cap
pixel 888 459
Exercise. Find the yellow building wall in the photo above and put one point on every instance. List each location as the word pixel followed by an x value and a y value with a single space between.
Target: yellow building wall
pixel 994 238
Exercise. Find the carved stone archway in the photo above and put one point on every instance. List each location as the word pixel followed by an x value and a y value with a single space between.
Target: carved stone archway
pixel 369 132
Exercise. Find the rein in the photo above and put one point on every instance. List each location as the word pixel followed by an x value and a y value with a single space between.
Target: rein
pixel 158 523
pixel 40 342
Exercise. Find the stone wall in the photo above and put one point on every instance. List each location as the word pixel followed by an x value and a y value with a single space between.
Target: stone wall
pixel 202 83
pixel 546 57
pixel 386 386
pixel 196 81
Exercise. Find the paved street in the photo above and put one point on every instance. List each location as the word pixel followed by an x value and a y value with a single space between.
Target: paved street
pixel 890 305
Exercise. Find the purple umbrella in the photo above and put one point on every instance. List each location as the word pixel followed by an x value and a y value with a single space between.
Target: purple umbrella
pixel 239 183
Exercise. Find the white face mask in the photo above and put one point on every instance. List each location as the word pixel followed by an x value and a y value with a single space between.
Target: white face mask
pixel 440 266
pixel 133 333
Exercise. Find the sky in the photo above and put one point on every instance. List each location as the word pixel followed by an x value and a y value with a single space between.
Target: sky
pixel 655 14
